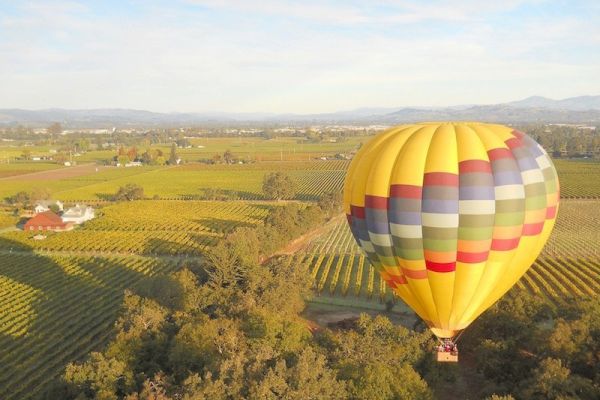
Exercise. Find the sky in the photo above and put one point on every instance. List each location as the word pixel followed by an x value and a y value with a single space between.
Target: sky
pixel 310 56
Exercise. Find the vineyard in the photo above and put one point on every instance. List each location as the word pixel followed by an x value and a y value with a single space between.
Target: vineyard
pixel 244 181
pixel 245 148
pixel 569 265
pixel 147 227
pixel 339 269
pixel 188 181
pixel 60 296
pixel 7 220
pixel 578 179
pixel 56 310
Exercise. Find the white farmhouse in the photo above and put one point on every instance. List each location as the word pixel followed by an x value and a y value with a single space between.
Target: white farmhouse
pixel 78 214
pixel 44 205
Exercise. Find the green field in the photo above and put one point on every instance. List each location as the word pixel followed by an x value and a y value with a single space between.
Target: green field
pixel 245 148
pixel 189 181
pixel 147 227
pixel 60 296
pixel 21 168
pixel 57 309
pixel 568 266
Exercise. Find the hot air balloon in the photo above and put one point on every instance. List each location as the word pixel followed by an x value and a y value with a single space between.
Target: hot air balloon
pixel 451 214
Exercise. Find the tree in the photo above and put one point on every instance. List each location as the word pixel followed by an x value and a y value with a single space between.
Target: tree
pixel 574 146
pixel 26 154
pixel 148 157
pixel 54 129
pixel 21 198
pixel 40 193
pixel 99 377
pixel 228 156
pixel 132 154
pixel 551 380
pixel 60 158
pixel 173 157
pixel 376 381
pixel 307 377
pixel 129 192
pixel 278 186
pixel 331 203
pixel 123 160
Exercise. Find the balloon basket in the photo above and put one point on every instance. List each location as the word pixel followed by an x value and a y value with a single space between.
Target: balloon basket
pixel 447 356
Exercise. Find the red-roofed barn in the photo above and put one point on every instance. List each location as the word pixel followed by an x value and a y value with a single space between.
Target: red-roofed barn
pixel 47 221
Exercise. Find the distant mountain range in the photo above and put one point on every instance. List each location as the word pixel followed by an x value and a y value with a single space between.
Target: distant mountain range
pixel 582 109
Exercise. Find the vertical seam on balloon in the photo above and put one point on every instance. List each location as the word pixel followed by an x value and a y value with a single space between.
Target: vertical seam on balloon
pixel 539 235
pixel 509 261
pixel 422 234
pixel 408 285
pixel 378 257
pixel 476 132
pixel 457 227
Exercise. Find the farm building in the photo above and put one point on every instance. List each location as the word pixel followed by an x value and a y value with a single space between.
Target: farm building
pixel 44 205
pixel 47 221
pixel 78 214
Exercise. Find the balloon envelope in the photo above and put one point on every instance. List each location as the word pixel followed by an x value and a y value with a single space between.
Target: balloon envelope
pixel 451 214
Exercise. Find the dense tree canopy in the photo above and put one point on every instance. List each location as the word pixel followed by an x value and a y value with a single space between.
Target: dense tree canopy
pixel 528 349
pixel 230 328
pixel 129 192
pixel 278 186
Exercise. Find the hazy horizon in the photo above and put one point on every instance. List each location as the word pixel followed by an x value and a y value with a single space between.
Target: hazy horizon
pixel 279 57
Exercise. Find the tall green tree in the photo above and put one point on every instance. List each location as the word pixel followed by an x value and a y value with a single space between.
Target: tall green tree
pixel 55 129
pixel 129 192
pixel 278 186
pixel 173 157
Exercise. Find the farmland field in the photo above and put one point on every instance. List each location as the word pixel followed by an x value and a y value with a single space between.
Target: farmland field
pixel 246 148
pixel 568 266
pixel 190 181
pixel 147 227
pixel 57 309
pixel 60 296
pixel 15 169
